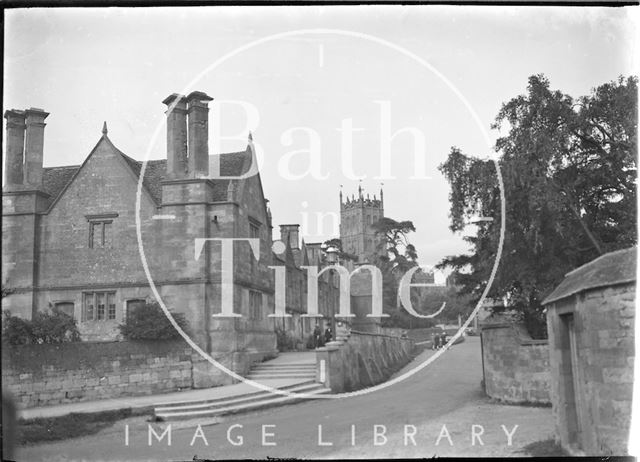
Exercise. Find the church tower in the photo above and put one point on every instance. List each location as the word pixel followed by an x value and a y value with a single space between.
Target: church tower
pixel 357 214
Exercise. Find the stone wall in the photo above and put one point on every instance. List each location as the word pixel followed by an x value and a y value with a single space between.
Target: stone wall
pixel 593 417
pixel 393 331
pixel 41 375
pixel 515 366
pixel 361 360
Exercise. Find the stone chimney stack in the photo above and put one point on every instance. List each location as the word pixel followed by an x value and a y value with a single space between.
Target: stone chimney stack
pixel 14 158
pixel 34 147
pixel 176 136
pixel 290 234
pixel 198 112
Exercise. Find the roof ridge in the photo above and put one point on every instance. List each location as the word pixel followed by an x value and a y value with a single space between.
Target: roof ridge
pixel 595 260
pixel 619 267
pixel 61 167
pixel 58 178
pixel 128 157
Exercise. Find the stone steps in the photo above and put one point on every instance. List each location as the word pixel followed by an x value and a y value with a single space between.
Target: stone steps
pixel 301 376
pixel 284 366
pixel 181 410
pixel 268 371
pixel 282 372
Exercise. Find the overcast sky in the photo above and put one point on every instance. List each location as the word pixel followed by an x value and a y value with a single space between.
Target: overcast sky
pixel 85 66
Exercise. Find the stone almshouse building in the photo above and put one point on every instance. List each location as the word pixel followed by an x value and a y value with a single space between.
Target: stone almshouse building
pixel 69 233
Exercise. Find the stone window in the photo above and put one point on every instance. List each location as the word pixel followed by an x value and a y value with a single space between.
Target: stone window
pixel 98 306
pixel 100 234
pixel 111 306
pixel 255 304
pixel 254 228
pixel 100 230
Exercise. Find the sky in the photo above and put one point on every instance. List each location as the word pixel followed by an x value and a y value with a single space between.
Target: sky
pixel 330 93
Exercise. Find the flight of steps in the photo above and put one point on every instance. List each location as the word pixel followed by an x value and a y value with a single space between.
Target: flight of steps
pixel 268 370
pixel 302 375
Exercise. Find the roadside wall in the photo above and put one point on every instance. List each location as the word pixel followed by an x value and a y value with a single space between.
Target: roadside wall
pixel 361 359
pixel 515 366
pixel 393 331
pixel 41 375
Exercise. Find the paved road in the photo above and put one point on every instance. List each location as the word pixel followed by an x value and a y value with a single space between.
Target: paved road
pixel 449 384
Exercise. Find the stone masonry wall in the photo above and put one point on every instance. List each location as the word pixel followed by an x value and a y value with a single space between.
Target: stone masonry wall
pixel 361 360
pixel 604 338
pixel 516 367
pixel 41 375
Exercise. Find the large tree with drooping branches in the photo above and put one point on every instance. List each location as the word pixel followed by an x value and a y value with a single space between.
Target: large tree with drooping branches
pixel 569 168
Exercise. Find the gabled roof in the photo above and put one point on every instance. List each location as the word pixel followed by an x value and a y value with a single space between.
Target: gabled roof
pixel 154 173
pixel 56 179
pixel 607 270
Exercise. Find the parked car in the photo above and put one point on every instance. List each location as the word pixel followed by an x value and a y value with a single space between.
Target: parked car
pixel 470 331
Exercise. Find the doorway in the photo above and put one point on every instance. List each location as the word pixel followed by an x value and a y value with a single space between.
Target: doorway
pixel 570 385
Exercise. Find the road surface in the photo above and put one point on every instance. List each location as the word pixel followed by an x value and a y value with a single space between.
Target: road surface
pixel 407 417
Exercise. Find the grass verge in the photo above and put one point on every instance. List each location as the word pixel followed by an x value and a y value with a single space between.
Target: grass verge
pixel 45 429
pixel 520 403
pixel 545 448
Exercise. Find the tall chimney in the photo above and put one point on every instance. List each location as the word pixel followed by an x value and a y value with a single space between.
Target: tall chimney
pixel 198 134
pixel 15 149
pixel 34 147
pixel 176 136
pixel 290 234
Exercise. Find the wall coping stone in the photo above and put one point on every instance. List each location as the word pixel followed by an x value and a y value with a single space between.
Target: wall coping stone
pixel 521 334
pixel 328 348
pixel 373 334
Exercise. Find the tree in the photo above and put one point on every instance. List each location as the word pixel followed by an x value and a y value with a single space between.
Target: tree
pixel 16 330
pixel 336 243
pixel 457 304
pixel 569 170
pixel 394 256
pixel 148 322
pixel 45 327
pixel 397 250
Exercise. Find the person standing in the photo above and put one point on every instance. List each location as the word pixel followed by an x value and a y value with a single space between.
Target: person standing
pixel 327 335
pixel 316 336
